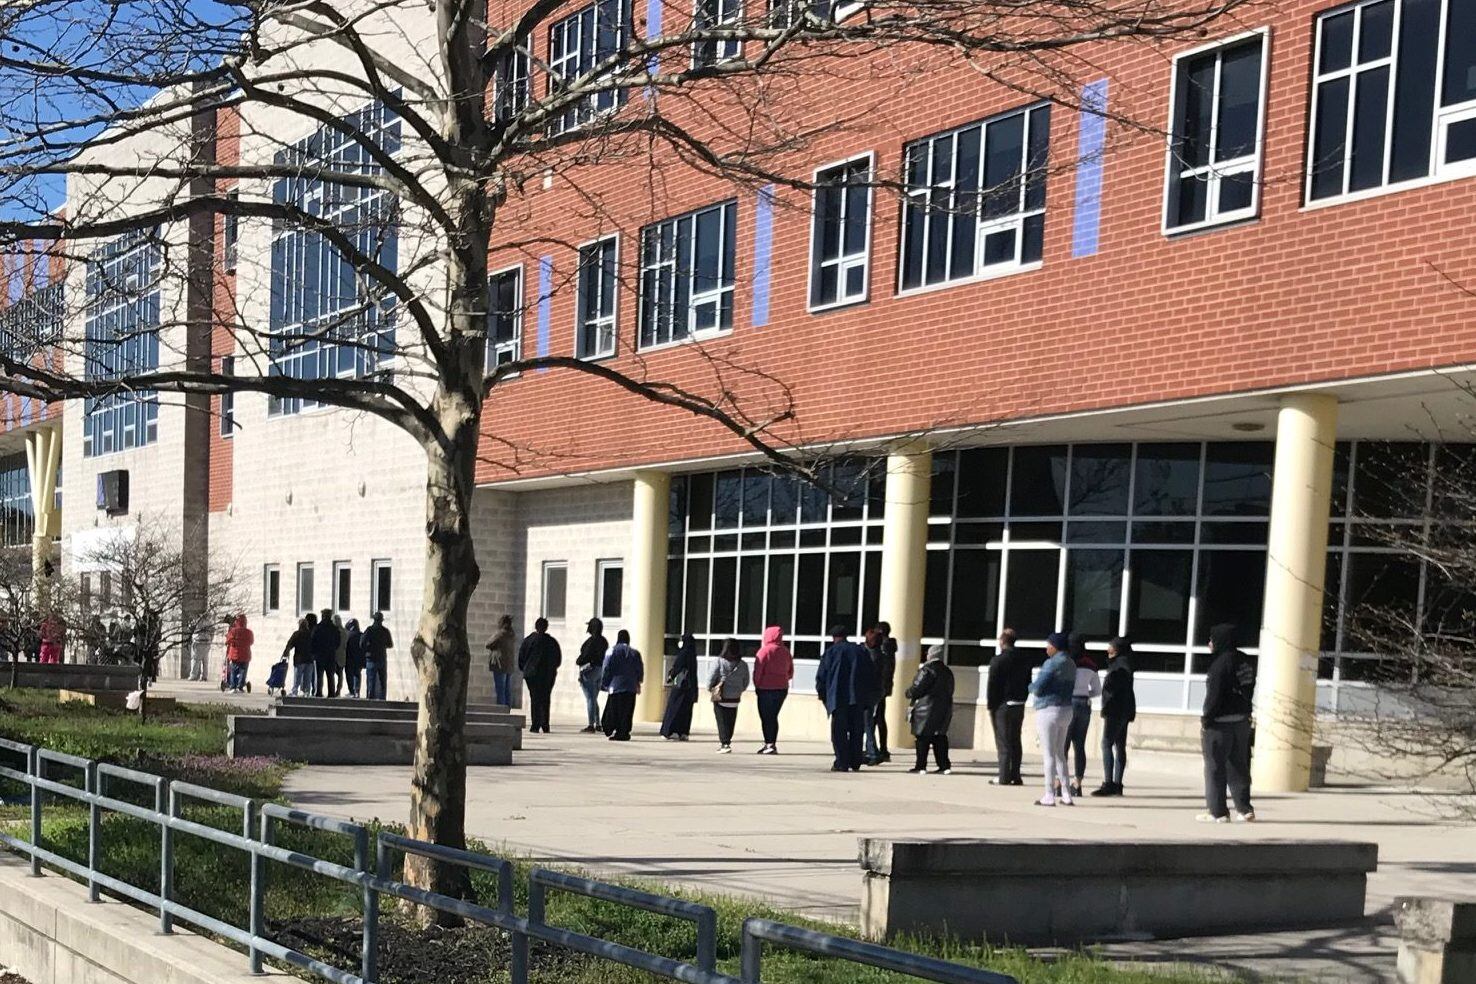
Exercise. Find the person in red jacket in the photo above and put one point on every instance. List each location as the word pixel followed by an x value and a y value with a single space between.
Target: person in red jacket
pixel 773 668
pixel 238 653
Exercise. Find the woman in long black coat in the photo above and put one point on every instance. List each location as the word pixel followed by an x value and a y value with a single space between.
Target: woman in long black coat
pixel 681 691
pixel 931 694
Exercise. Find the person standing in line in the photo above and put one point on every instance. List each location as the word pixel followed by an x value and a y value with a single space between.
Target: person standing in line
pixel 590 665
pixel 1119 709
pixel 1007 690
pixel 376 644
pixel 1053 687
pixel 884 667
pixel 501 658
pixel 622 672
pixel 773 669
pixel 726 683
pixel 325 649
pixel 53 639
pixel 539 659
pixel 846 684
pixel 681 691
pixel 238 653
pixel 1225 728
pixel 96 638
pixel 931 694
pixel 1088 685
pixel 340 657
pixel 353 666
pixel 300 648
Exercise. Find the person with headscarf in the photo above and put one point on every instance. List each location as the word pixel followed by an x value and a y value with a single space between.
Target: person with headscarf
pixel 1119 709
pixel 726 683
pixel 502 660
pixel 238 653
pixel 353 667
pixel 621 674
pixel 1225 728
pixel 1053 687
pixel 931 713
pixel 681 691
pixel 773 669
pixel 1087 686
pixel 591 660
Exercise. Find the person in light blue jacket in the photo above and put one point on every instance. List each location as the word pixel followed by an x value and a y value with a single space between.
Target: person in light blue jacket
pixel 1053 687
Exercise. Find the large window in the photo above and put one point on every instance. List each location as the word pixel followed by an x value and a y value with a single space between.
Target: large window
pixel 609 588
pixel 708 15
pixel 17 515
pixel 1215 146
pixel 34 321
pixel 122 340
pixel 598 280
pixel 687 275
pixel 304 588
pixel 505 320
pixel 271 589
pixel 227 399
pixel 512 82
pixel 343 586
pixel 840 238
pixel 976 199
pixel 230 235
pixel 1394 95
pixel 577 46
pixel 555 590
pixel 381 586
pixel 327 319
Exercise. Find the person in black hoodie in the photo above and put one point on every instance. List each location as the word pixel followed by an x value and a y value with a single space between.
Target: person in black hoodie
pixel 681 691
pixel 591 658
pixel 325 653
pixel 1225 734
pixel 1119 709
pixel 1005 696
pixel 539 659
pixel 354 650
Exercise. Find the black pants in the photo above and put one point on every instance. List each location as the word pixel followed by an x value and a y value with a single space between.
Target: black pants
pixel 727 717
pixel 1008 720
pixel 847 736
pixel 939 744
pixel 327 671
pixel 539 694
pixel 1114 749
pixel 1076 738
pixel 678 718
pixel 619 715
pixel 769 703
pixel 1227 760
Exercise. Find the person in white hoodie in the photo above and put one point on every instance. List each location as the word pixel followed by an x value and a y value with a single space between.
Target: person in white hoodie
pixel 1088 686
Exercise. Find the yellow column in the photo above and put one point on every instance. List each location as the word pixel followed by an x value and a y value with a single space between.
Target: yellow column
pixel 645 586
pixel 43 458
pixel 1291 623
pixel 904 564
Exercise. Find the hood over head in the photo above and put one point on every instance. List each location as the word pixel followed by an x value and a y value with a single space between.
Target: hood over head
pixel 1222 638
pixel 773 636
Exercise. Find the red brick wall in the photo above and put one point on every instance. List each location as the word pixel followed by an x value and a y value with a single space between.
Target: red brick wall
pixel 1296 296
pixel 227 150
pixel 16 411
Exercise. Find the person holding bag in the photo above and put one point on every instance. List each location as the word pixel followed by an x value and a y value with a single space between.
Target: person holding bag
pixel 725 684
pixel 681 691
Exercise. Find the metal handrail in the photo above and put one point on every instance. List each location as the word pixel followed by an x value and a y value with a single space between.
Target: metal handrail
pixel 374 881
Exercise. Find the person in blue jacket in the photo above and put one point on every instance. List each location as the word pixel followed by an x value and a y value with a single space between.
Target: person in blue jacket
pixel 1053 687
pixel 621 677
pixel 846 683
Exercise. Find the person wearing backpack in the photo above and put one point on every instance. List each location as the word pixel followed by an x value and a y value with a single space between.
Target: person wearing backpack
pixel 1225 729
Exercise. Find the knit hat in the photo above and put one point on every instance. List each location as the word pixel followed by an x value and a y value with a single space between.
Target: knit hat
pixel 1058 641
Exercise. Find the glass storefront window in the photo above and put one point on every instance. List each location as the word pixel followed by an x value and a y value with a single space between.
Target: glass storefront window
pixel 1166 480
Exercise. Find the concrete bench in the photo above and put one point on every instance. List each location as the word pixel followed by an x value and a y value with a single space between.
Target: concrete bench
pixel 1045 892
pixel 70 676
pixel 367 711
pixel 351 741
pixel 333 703
pixel 1437 940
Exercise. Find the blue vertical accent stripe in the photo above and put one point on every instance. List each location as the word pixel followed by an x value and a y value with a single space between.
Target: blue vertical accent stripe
pixel 653 30
pixel 545 303
pixel 25 414
pixel 1086 229
pixel 763 248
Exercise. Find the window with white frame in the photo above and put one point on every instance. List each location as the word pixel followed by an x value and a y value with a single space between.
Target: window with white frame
pixel 122 340
pixel 1214 163
pixel 505 319
pixel 840 238
pixel 577 46
pixel 328 320
pixel 343 583
pixel 271 589
pixel 304 588
pixel 227 399
pixel 555 590
pixel 787 13
pixel 512 82
pixel 709 15
pixel 687 275
pixel 976 199
pixel 598 278
pixel 609 588
pixel 382 586
pixel 1393 95
pixel 230 235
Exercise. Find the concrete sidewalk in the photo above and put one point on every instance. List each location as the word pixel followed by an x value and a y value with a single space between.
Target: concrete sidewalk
pixel 784 829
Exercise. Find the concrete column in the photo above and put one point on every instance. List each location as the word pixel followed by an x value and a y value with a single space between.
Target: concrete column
pixel 904 565
pixel 1291 620
pixel 645 585
pixel 43 459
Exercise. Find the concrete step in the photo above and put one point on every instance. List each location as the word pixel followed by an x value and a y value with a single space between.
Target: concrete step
pixel 357 741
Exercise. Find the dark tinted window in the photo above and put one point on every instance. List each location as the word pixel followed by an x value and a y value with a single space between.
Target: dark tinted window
pixel 981 481
pixel 975 594
pixel 1237 479
pixel 1093 592
pixel 1038 481
pixel 1158 603
pixel 1100 475
pixel 1030 594
pixel 1167 480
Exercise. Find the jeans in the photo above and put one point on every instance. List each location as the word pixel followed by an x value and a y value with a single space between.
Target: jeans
pixel 1076 736
pixel 354 675
pixel 236 676
pixel 727 718
pixel 502 683
pixel 1114 749
pixel 876 730
pixel 939 744
pixel 847 725
pixel 374 679
pixel 591 687
pixel 302 679
pixel 1227 758
pixel 1008 720
pixel 769 704
pixel 1052 725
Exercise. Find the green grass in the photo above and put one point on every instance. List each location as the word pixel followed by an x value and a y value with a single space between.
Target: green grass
pixel 321 915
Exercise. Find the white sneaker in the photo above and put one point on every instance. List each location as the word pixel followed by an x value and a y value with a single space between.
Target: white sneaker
pixel 1211 818
pixel 1065 800
pixel 1239 817
pixel 725 750
pixel 1046 800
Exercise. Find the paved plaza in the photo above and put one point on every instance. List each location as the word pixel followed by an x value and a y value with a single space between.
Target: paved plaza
pixel 784 829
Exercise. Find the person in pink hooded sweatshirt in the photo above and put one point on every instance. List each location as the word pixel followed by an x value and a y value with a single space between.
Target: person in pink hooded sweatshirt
pixel 773 668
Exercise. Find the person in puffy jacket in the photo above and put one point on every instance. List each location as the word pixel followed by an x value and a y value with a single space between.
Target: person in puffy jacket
pixel 726 683
pixel 773 669
pixel 238 653
pixel 681 691
pixel 1225 728
pixel 931 694
pixel 1119 709
pixel 621 674
pixel 1053 687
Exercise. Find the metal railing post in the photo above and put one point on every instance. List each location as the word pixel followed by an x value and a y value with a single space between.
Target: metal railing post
pixel 258 893
pixel 506 903
pixel 752 959
pixel 34 765
pixel 94 832
pixel 370 962
pixel 166 802
pixel 248 831
pixel 707 940
pixel 536 893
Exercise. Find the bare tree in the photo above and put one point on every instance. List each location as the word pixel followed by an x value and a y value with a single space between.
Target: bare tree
pixel 431 128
